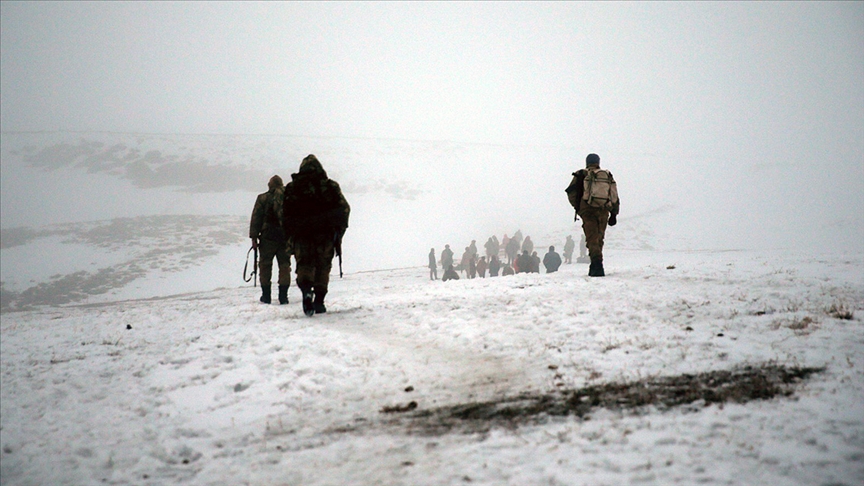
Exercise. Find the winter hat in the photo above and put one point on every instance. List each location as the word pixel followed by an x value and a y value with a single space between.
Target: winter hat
pixel 275 182
pixel 592 159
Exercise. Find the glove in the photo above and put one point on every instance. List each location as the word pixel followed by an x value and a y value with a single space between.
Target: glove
pixel 254 243
pixel 613 220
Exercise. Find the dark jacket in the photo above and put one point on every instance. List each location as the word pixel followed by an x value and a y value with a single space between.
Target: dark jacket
pixel 494 266
pixel 449 274
pixel 525 263
pixel 551 261
pixel 314 206
pixel 266 221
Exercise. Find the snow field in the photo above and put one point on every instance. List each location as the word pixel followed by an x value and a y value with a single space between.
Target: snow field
pixel 216 388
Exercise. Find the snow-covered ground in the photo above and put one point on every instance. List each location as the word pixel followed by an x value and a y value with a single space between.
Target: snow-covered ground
pixel 216 388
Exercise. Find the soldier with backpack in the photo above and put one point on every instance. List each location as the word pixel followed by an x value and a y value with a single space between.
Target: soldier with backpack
pixel 265 230
pixel 593 193
pixel 314 216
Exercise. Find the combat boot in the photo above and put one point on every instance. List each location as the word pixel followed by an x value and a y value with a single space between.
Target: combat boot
pixel 308 306
pixel 283 294
pixel 596 268
pixel 265 294
pixel 318 304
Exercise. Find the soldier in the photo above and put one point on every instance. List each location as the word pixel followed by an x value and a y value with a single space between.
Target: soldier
pixel 466 258
pixel 512 249
pixel 583 251
pixel 593 193
pixel 446 257
pixel 491 247
pixel 528 245
pixel 265 230
pixel 473 248
pixel 449 273
pixel 524 263
pixel 482 266
pixel 433 267
pixel 569 246
pixel 314 216
pixel 552 260
pixel 535 262
pixel 494 266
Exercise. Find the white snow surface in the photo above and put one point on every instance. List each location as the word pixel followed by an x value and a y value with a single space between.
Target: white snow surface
pixel 214 388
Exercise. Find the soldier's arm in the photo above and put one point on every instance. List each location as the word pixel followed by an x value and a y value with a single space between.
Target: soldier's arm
pixel 617 206
pixel 575 189
pixel 343 205
pixel 257 220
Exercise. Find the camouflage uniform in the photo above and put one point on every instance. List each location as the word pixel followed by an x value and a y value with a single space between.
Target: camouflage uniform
pixel 265 229
pixel 569 246
pixel 314 216
pixel 594 219
pixel 446 257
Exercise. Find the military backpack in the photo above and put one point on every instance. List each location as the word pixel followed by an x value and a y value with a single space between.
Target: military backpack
pixel 600 190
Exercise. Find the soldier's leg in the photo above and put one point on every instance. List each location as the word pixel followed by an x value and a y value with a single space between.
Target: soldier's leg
pixel 304 254
pixel 602 222
pixel 591 227
pixel 322 274
pixel 305 267
pixel 594 221
pixel 266 253
pixel 283 257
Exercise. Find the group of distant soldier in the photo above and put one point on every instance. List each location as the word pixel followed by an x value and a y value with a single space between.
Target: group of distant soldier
pixel 307 219
pixel 472 267
pixel 593 194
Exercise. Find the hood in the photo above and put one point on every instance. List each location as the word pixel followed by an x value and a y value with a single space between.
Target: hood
pixel 311 167
pixel 275 183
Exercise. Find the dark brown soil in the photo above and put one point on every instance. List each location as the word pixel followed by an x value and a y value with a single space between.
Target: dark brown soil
pixel 738 385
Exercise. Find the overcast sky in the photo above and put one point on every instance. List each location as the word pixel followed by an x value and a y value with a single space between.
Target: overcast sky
pixel 753 93
pixel 694 78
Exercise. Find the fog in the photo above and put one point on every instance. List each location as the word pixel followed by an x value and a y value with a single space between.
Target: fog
pixel 726 125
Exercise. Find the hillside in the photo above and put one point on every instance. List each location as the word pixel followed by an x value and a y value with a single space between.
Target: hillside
pixel 528 379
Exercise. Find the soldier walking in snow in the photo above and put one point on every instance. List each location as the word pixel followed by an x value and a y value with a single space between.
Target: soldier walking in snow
pixel 569 246
pixel 466 257
pixel 314 216
pixel 265 230
pixel 433 266
pixel 593 193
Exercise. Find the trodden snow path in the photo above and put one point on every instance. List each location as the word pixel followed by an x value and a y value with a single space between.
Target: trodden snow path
pixel 215 388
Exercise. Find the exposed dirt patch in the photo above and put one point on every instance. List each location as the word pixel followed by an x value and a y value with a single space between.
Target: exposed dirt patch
pixel 738 385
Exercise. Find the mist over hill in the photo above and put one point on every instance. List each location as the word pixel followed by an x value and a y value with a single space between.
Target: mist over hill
pixel 96 215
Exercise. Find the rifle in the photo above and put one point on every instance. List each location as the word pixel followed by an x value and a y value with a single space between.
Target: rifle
pixel 254 267
pixel 337 245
